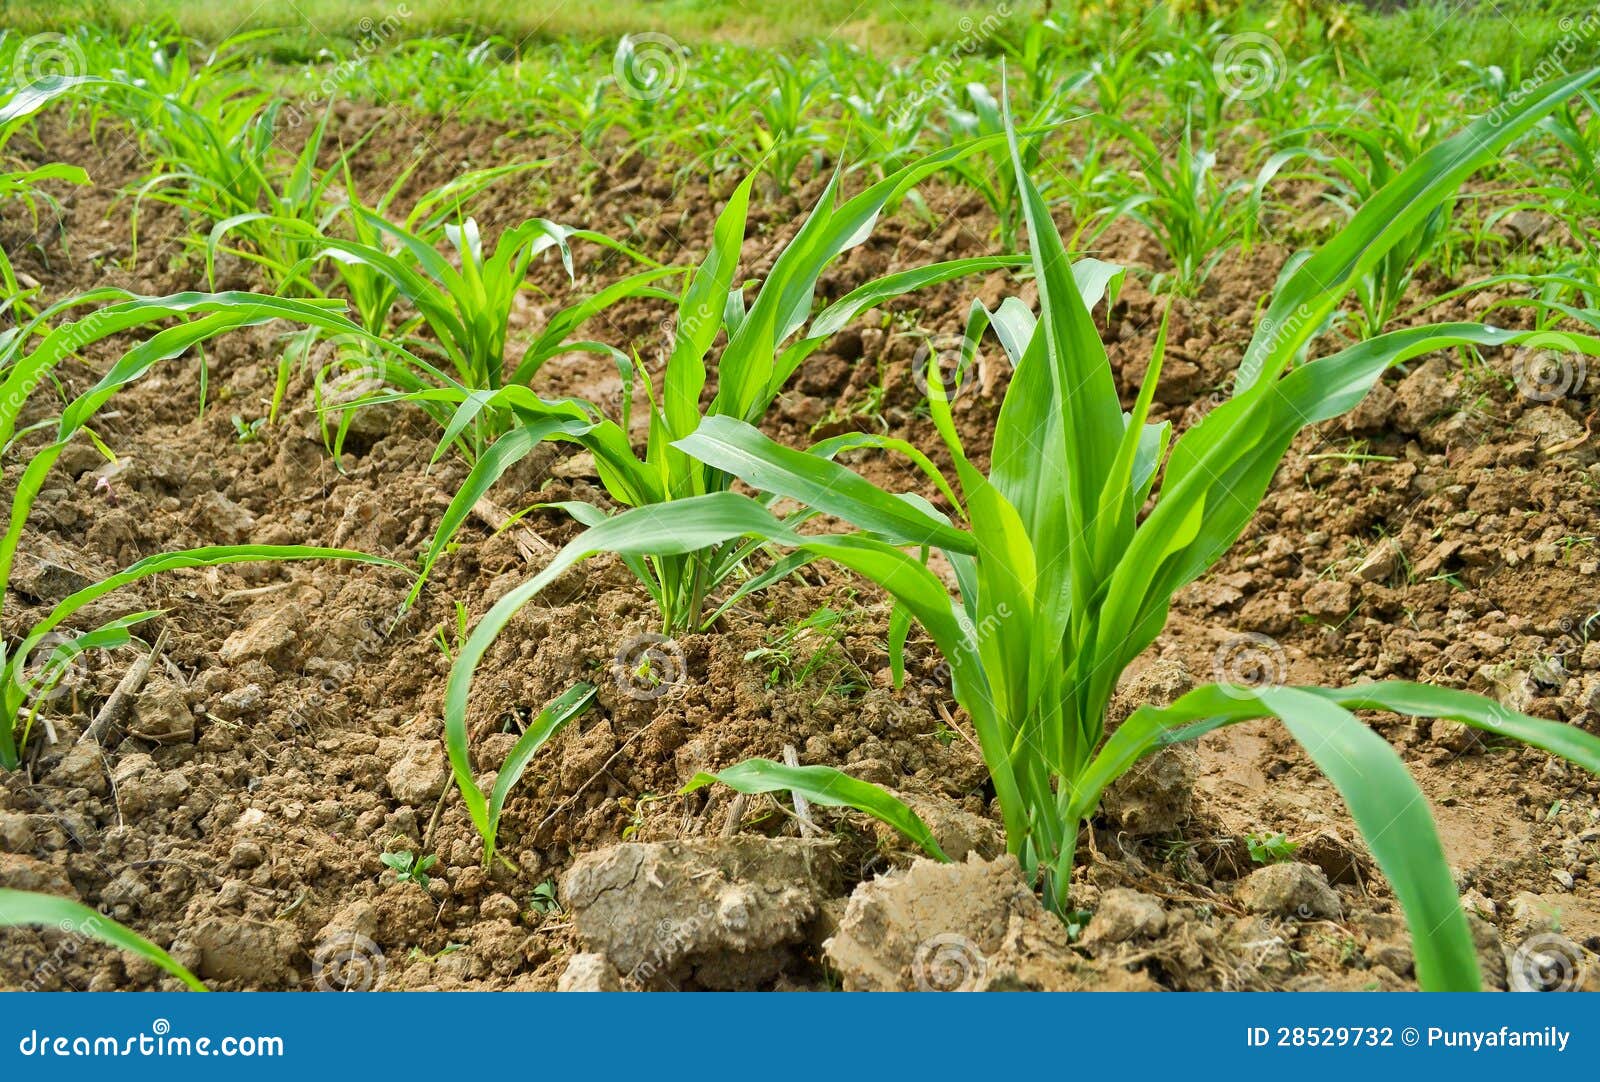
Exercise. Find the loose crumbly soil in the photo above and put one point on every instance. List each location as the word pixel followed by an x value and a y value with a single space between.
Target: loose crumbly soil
pixel 289 734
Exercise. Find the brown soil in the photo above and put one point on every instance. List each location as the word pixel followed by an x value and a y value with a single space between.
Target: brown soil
pixel 290 736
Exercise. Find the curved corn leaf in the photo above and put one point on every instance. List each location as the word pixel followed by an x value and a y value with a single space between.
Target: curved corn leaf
pixel 740 450
pixel 22 907
pixel 1382 799
pixel 823 785
pixel 837 315
pixel 1301 304
pixel 13 693
pixel 551 720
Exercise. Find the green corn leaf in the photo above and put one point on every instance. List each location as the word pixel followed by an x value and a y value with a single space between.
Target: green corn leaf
pixel 1383 800
pixel 1299 307
pixel 826 786
pixel 1220 470
pixel 748 376
pixel 837 315
pixel 1391 814
pixel 22 907
pixel 504 453
pixel 738 449
pixel 551 720
pixel 700 314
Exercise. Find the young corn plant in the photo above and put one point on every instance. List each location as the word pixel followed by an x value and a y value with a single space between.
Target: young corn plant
pixel 283 232
pixel 691 581
pixel 761 352
pixel 33 667
pixel 1067 555
pixel 1565 186
pixel 1177 195
pixel 466 304
pixel 372 293
pixel 1352 182
pixel 22 185
pixel 991 175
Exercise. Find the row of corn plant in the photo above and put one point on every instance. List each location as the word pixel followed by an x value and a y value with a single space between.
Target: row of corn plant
pixel 1067 555
pixel 723 109
pixel 31 354
pixel 693 582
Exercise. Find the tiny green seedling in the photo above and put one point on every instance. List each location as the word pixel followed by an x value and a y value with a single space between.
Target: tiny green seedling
pixel 637 809
pixel 1270 848
pixel 544 898
pixel 789 654
pixel 247 431
pixel 409 868
pixel 450 644
pixel 417 954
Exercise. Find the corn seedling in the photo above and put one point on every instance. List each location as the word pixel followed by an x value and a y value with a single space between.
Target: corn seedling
pixel 1177 195
pixel 760 354
pixel 468 309
pixel 484 808
pixel 990 175
pixel 1352 183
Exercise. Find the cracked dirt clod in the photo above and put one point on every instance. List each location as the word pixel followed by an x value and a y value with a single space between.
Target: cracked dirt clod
pixel 589 973
pixel 711 913
pixel 975 926
pixel 1289 890
pixel 1125 914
